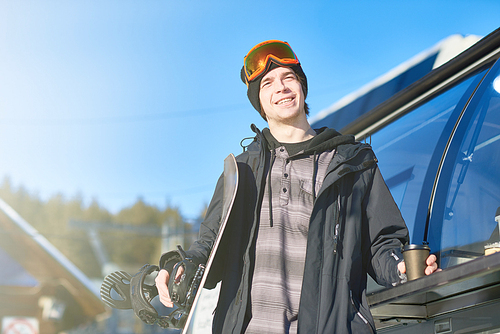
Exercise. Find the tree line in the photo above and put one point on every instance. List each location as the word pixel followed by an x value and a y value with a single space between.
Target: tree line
pixel 129 250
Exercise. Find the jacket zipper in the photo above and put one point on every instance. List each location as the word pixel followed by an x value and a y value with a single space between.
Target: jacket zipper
pixel 337 222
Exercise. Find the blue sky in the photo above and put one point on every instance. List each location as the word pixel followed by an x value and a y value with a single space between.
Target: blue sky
pixel 120 100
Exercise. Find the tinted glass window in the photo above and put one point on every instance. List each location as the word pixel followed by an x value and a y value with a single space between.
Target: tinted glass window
pixel 472 180
pixel 404 149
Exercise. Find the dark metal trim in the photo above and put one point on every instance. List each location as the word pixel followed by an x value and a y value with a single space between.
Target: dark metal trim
pixel 465 285
pixel 482 48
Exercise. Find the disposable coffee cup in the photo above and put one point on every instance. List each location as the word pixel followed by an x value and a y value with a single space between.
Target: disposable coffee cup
pixel 415 257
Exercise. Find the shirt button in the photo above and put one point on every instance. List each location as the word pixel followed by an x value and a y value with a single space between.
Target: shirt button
pixel 284 190
pixel 282 149
pixel 285 175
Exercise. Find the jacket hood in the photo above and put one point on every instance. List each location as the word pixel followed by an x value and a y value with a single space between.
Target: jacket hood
pixel 326 139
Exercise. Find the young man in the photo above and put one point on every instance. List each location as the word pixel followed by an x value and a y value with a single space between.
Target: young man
pixel 311 219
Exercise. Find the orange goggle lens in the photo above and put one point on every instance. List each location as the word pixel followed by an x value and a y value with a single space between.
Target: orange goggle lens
pixel 257 60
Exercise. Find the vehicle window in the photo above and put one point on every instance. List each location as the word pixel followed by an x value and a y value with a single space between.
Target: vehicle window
pixel 473 196
pixel 405 147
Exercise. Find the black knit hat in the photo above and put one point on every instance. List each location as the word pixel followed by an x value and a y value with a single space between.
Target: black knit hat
pixel 254 86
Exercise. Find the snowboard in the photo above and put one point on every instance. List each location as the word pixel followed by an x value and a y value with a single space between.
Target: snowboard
pixel 231 177
pixel 121 290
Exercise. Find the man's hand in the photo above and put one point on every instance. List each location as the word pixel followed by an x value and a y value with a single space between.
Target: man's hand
pixel 431 265
pixel 161 282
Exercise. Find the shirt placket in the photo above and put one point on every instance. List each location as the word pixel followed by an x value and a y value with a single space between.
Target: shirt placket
pixel 285 184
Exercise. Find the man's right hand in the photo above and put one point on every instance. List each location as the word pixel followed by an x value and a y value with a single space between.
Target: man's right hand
pixel 161 282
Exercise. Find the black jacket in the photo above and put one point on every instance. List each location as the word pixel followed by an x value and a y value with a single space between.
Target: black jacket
pixel 355 228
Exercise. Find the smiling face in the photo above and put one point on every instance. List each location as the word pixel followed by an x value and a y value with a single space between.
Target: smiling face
pixel 281 97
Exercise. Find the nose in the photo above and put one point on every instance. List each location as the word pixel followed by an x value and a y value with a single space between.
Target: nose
pixel 280 86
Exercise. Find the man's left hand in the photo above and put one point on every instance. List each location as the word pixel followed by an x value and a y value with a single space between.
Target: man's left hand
pixel 431 265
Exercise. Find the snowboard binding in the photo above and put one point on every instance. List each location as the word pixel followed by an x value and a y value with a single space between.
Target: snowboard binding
pixel 183 289
pixel 120 290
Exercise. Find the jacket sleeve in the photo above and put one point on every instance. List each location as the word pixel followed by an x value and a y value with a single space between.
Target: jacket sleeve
pixel 200 249
pixel 387 233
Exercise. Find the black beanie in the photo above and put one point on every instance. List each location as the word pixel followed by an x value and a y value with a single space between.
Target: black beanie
pixel 254 86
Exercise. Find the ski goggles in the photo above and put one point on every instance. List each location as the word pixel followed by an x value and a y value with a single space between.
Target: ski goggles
pixel 257 61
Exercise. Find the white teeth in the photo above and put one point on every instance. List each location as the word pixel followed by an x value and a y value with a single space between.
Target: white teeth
pixel 285 100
